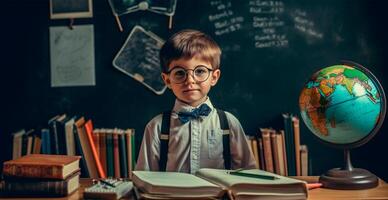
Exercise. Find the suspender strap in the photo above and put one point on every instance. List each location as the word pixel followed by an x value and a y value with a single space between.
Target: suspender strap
pixel 225 138
pixel 164 138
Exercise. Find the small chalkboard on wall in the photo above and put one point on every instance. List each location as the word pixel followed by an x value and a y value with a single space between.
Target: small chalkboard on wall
pixel 66 9
pixel 139 59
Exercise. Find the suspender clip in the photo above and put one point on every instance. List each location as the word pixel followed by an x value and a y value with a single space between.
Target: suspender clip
pixel 164 136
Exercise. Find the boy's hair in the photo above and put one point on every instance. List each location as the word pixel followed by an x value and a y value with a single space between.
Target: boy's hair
pixel 187 44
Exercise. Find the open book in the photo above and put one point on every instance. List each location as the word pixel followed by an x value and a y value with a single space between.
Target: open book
pixel 213 183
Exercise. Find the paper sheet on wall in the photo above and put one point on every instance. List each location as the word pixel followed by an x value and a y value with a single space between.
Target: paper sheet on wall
pixel 72 56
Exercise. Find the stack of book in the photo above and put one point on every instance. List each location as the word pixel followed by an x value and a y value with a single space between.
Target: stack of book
pixel 41 175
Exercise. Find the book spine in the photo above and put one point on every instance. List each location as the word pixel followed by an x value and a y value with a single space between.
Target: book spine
pixel 33 171
pixel 78 151
pixel 261 152
pixel 116 158
pixel 46 141
pixel 265 134
pixel 133 148
pixel 54 137
pixel 295 125
pixel 41 188
pixel 275 152
pixel 102 140
pixel 109 154
pixel 89 134
pixel 61 137
pixel 304 160
pixel 255 151
pixel 290 144
pixel 24 144
pixel 123 156
pixel 128 136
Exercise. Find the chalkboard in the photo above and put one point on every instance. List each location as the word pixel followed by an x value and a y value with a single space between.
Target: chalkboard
pixel 139 58
pixel 60 9
pixel 269 50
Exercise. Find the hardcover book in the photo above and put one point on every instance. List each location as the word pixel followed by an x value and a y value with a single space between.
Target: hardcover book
pixel 42 166
pixel 37 187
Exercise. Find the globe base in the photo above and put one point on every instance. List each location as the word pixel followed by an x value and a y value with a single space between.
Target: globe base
pixel 354 179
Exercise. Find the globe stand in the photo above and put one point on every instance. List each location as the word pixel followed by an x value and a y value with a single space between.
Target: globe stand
pixel 348 178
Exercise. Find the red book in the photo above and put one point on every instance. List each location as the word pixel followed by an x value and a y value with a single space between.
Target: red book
pixel 89 133
pixel 116 152
pixel 42 166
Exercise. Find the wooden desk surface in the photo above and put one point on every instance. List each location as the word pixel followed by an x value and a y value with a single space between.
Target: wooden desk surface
pixel 380 192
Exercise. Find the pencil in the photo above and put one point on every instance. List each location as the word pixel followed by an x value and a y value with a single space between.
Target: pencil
pixel 259 176
pixel 107 183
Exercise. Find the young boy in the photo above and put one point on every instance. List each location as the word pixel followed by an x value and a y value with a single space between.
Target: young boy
pixel 194 134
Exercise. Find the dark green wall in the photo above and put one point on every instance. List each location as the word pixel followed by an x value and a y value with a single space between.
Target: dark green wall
pixel 257 84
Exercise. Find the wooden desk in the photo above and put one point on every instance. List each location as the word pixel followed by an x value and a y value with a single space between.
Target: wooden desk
pixel 380 192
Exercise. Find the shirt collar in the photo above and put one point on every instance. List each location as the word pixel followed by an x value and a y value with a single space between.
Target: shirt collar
pixel 181 106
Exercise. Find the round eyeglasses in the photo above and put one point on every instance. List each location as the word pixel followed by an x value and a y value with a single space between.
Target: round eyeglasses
pixel 179 74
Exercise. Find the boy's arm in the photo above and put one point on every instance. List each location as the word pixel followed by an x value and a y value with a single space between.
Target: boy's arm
pixel 241 153
pixel 148 159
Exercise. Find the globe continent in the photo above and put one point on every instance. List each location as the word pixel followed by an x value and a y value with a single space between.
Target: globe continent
pixel 340 104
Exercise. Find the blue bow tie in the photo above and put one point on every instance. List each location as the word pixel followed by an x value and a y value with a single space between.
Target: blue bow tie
pixel 203 110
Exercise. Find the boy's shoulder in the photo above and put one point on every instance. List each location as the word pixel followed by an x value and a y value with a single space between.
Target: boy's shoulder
pixel 155 121
pixel 231 117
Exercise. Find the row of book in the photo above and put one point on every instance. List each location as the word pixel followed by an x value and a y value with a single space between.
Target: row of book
pixel 40 175
pixel 280 151
pixel 105 152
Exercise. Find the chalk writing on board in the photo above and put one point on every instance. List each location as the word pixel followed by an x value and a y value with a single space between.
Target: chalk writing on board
pixel 304 25
pixel 72 56
pixel 139 59
pixel 62 9
pixel 224 18
pixel 268 24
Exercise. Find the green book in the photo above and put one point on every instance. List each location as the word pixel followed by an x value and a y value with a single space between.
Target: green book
pixel 123 155
pixel 109 155
pixel 133 146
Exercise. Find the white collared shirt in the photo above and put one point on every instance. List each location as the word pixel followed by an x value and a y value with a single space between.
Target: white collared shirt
pixel 195 144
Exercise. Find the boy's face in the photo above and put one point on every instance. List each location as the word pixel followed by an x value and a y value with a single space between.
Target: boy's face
pixel 188 80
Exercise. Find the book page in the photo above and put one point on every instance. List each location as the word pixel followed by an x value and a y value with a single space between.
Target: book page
pixel 249 185
pixel 172 179
pixel 174 185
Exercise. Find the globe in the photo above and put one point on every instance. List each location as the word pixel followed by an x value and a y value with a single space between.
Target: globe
pixel 344 106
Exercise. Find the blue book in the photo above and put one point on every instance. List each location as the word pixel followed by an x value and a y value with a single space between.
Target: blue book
pixel 45 148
